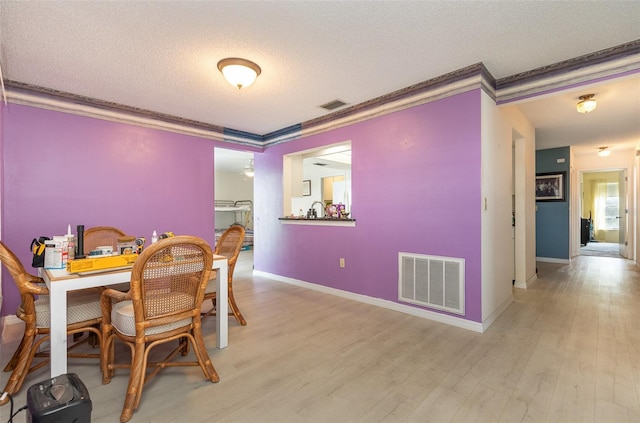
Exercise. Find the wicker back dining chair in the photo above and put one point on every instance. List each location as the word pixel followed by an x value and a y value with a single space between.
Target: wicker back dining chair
pixel 163 305
pixel 229 245
pixel 83 315
pixel 99 236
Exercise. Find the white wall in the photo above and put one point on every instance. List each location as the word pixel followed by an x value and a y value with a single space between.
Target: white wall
pixel 523 133
pixel 497 240
pixel 575 229
pixel 2 107
pixel 635 177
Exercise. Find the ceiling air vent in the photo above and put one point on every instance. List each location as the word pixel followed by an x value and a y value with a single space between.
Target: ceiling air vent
pixel 333 104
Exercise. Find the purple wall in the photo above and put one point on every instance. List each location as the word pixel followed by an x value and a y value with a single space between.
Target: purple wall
pixel 416 188
pixel 415 180
pixel 61 169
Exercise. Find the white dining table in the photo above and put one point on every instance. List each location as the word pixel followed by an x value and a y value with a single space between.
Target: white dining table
pixel 59 282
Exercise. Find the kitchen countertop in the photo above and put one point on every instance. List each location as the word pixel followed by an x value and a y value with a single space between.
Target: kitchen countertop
pixel 328 221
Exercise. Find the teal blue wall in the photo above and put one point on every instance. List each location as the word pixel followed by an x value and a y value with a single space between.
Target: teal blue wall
pixel 552 217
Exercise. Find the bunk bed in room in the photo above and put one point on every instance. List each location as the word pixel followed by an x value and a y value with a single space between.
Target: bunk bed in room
pixel 242 214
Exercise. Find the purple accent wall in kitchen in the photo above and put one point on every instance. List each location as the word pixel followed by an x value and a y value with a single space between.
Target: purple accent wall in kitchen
pixel 61 169
pixel 416 188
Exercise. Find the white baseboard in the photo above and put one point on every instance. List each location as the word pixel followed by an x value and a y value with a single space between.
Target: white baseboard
pixel 488 321
pixel 425 314
pixel 528 283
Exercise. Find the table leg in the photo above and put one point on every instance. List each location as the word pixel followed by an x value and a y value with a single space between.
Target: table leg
pixel 58 329
pixel 222 303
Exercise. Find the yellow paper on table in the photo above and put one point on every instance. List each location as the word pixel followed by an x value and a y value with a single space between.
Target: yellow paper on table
pixel 96 263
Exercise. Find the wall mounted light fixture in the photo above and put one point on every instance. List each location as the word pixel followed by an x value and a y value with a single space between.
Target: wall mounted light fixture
pixel 604 152
pixel 586 104
pixel 239 72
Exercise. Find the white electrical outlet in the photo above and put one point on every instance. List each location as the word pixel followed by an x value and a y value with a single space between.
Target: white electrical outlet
pixel 341 262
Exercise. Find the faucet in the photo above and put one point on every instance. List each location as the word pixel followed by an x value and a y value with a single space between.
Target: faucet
pixel 321 208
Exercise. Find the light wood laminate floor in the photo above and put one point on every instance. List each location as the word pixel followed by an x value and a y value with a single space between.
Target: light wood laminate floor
pixel 566 350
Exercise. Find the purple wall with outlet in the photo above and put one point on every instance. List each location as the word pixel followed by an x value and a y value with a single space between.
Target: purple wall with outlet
pixel 416 189
pixel 61 169
pixel 415 183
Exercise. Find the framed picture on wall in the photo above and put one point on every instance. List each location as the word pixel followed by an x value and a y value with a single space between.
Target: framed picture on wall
pixel 550 186
pixel 306 188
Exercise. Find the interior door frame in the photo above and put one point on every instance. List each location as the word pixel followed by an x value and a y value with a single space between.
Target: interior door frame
pixel 576 207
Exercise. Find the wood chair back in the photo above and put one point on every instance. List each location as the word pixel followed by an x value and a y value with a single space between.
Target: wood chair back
pixel 168 280
pixel 229 245
pixel 99 236
pixel 28 285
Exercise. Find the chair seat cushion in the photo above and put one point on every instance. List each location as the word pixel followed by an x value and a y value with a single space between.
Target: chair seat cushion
pixel 123 319
pixel 81 305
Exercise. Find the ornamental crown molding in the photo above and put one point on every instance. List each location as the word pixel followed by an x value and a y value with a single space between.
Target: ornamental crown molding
pixel 603 64
pixel 462 80
pixel 447 85
pixel 589 68
pixel 60 101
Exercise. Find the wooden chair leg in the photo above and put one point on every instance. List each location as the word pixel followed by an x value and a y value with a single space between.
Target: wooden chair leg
pixel 22 363
pixel 211 312
pixel 203 357
pixel 235 310
pixel 106 357
pixel 184 346
pixel 93 340
pixel 14 359
pixel 136 380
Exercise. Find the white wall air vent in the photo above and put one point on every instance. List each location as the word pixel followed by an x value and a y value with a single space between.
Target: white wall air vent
pixel 431 281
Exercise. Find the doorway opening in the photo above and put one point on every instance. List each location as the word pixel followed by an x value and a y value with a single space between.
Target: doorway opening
pixel 524 274
pixel 603 223
pixel 233 196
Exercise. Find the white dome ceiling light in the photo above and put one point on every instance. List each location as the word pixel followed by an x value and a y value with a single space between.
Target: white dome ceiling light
pixel 239 72
pixel 586 104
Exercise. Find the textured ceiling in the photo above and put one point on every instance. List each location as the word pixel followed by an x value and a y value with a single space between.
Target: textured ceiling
pixel 162 56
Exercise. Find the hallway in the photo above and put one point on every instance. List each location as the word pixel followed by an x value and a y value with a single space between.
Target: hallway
pixel 601 249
